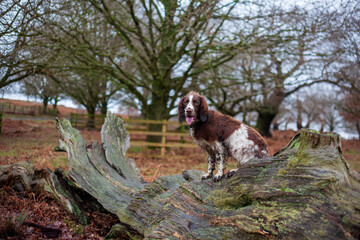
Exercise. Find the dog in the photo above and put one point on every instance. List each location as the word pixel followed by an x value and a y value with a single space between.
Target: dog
pixel 220 135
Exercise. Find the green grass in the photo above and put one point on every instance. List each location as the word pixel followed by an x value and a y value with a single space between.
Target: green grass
pixel 60 161
pixel 351 151
pixel 135 149
pixel 10 153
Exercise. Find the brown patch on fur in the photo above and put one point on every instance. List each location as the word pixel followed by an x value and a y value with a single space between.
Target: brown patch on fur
pixel 218 127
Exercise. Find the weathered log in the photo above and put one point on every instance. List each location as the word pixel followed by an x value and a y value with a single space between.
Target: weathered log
pixel 305 191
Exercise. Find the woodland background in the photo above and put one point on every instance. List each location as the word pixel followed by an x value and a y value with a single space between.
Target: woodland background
pixel 273 65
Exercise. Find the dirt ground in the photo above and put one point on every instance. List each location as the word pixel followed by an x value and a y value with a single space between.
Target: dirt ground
pixel 35 140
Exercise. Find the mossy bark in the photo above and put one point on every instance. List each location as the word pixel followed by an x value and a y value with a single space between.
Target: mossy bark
pixel 305 191
pixel 307 184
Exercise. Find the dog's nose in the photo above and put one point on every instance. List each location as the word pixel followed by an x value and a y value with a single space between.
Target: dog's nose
pixel 188 111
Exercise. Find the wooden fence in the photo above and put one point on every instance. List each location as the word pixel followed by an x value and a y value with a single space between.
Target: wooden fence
pixel 172 133
pixel 79 120
pixel 7 108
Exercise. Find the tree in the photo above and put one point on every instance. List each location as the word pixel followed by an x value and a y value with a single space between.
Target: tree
pixel 344 66
pixel 6 89
pixel 345 70
pixel 262 76
pixel 43 87
pixel 163 45
pixel 17 21
pixel 74 61
pixel 350 110
pixel 329 116
pixel 316 108
pixel 90 90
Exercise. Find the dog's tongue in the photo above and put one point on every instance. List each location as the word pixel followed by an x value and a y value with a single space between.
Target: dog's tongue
pixel 189 120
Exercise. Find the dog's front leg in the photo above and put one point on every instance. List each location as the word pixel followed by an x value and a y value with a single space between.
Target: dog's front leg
pixel 220 159
pixel 211 166
pixel 221 168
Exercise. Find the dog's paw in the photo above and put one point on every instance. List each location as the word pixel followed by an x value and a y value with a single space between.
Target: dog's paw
pixel 206 176
pixel 217 177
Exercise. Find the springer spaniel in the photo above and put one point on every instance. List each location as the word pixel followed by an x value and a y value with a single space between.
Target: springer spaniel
pixel 219 135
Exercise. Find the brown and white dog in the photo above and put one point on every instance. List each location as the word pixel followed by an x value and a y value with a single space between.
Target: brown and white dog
pixel 219 135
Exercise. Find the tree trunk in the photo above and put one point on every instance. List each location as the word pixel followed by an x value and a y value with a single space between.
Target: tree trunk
pixel 264 121
pixel 305 191
pixel 275 125
pixel 357 128
pixel 158 111
pixel 56 100
pixel 103 107
pixel 299 119
pixel 91 117
pixel 45 104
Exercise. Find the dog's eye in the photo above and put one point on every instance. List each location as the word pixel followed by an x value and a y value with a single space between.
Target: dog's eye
pixel 186 101
pixel 196 102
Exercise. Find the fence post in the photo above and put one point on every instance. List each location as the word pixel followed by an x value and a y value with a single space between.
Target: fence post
pixel 163 138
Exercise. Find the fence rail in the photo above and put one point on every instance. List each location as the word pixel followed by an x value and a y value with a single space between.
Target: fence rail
pixel 14 109
pixel 80 119
pixel 172 133
pixel 7 108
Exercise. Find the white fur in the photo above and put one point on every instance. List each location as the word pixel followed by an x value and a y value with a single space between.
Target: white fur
pixel 190 104
pixel 241 148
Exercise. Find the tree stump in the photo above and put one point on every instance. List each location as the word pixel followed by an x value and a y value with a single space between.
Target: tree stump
pixel 305 191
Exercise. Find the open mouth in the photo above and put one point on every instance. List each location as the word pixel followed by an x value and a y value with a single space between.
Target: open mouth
pixel 190 119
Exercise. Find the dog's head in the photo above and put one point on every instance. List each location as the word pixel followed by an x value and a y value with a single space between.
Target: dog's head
pixel 193 108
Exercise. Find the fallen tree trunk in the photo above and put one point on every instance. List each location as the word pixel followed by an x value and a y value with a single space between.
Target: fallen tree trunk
pixel 307 190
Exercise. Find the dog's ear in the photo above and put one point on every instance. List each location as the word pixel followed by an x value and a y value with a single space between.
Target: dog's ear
pixel 181 110
pixel 203 110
